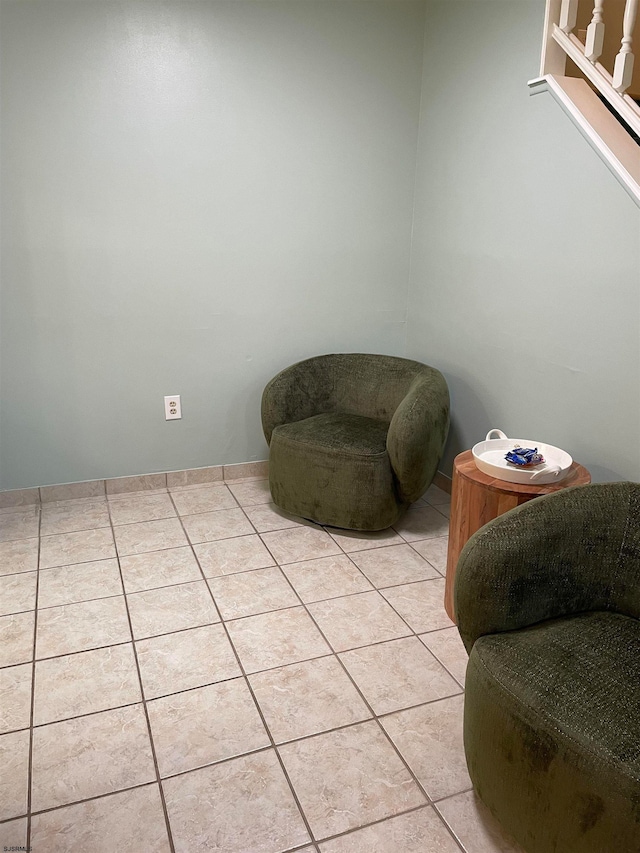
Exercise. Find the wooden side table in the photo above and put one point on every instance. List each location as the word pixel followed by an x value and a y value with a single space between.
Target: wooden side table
pixel 477 498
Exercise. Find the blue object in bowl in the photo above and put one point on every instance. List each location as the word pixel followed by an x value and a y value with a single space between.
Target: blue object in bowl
pixel 524 456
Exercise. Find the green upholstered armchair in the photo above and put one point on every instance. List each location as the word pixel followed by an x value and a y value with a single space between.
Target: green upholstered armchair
pixel 354 438
pixel 547 599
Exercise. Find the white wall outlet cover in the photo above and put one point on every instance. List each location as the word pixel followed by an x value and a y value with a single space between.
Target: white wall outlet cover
pixel 172 407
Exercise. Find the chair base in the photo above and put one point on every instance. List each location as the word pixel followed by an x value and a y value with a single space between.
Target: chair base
pixel 545 781
pixel 336 489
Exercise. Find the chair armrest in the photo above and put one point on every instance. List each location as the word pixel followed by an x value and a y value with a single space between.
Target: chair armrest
pixel 298 392
pixel 571 551
pixel 417 433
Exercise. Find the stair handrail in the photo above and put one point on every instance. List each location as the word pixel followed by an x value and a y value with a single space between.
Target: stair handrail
pixel 560 21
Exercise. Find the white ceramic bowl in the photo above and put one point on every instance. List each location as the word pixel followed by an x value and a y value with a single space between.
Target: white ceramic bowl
pixel 489 457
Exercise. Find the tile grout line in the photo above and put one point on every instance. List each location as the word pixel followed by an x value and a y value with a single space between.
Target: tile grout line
pixel 374 589
pixel 367 705
pixel 430 802
pixel 415 633
pixel 381 820
pixel 144 703
pixel 33 690
pixel 389 739
pixel 332 653
pixel 283 571
pixel 74 803
pixel 257 672
pixel 225 538
pixel 257 704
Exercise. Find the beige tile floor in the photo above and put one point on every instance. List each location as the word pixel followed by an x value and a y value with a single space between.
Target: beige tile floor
pixel 192 670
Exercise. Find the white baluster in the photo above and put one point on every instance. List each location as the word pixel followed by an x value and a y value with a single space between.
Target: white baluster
pixel 623 69
pixel 595 34
pixel 568 15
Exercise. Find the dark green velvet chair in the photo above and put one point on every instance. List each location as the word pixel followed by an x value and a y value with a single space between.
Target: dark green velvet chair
pixel 547 599
pixel 354 438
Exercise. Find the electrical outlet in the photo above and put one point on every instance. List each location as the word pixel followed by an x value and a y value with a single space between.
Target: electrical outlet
pixel 172 407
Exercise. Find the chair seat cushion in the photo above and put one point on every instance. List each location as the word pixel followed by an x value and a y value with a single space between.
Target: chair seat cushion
pixel 552 726
pixel 334 469
pixel 339 433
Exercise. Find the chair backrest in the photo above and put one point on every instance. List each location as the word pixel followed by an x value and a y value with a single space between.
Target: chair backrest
pixel 572 551
pixel 371 385
pixel 351 383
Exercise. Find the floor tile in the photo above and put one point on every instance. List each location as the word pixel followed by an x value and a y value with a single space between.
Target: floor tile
pixel 205 725
pixel 211 526
pixel 17 592
pixel 184 660
pixel 396 564
pixel 276 639
pixel 132 509
pixel 445 509
pixel 268 517
pixel 171 608
pixel 79 627
pixel 91 740
pixel 359 540
pixel 447 646
pixel 159 568
pixel 14 779
pixel 88 756
pixel 420 604
pixel 209 499
pixel 357 778
pixel 228 556
pixel 149 536
pixel 398 674
pixel 73 516
pixel 422 522
pixel 357 620
pixel 248 593
pixel 19 525
pixel 129 822
pixel 474 827
pixel 434 550
pixel 430 739
pixel 72 584
pixel 437 496
pixel 20 555
pixel 13 834
pixel 420 831
pixel 306 698
pixel 239 806
pixel 327 577
pixel 251 494
pixel 16 638
pixel 64 549
pixel 299 543
pixel 84 683
pixel 15 697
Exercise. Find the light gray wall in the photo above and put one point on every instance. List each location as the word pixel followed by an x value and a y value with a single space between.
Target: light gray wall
pixel 525 281
pixel 195 194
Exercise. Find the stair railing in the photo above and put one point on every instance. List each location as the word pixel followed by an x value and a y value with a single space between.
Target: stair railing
pixel 560 42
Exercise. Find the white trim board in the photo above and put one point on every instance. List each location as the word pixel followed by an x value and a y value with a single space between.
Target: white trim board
pixel 598 126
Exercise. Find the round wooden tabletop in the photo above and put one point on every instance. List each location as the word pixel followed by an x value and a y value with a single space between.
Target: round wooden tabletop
pixel 465 466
